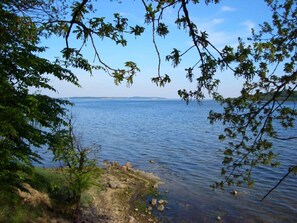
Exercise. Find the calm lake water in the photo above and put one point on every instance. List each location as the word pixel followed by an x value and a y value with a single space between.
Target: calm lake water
pixel 187 155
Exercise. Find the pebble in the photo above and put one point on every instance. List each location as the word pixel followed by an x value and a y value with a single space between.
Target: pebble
pixel 132 219
pixel 234 192
pixel 124 168
pixel 154 201
pixel 161 207
pixel 161 201
pixel 152 161
pixel 112 185
pixel 128 165
pixel 155 186
pixel 219 218
pixel 120 186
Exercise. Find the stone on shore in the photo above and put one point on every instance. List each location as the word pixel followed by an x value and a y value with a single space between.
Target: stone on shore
pixel 154 202
pixel 128 166
pixel 112 185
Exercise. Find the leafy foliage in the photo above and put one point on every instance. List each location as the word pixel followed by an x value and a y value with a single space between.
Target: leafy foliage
pixel 269 69
pixel 26 119
pixel 266 62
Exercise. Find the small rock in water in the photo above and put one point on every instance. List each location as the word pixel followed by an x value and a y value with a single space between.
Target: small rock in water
pixel 219 218
pixel 234 192
pixel 161 201
pixel 154 201
pixel 152 161
pixel 161 207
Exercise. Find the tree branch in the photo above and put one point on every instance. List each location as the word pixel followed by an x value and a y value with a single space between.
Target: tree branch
pixel 84 2
pixel 280 181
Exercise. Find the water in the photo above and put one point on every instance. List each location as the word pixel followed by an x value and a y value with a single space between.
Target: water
pixel 187 158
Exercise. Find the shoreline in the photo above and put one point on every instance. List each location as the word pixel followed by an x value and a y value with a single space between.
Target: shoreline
pixel 118 195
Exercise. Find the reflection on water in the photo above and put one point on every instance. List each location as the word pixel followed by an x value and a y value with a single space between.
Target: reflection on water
pixel 187 157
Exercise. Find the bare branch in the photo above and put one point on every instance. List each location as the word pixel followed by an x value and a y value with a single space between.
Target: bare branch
pixel 280 181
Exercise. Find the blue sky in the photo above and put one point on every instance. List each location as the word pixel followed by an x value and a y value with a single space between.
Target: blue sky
pixel 224 23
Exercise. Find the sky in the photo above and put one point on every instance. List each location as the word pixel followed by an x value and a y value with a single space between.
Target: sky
pixel 224 22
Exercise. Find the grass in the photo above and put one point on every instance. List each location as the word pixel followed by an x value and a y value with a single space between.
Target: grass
pixel 46 197
pixel 49 181
pixel 13 208
pixel 50 185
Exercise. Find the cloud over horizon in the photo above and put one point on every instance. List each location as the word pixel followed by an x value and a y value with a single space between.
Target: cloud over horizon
pixel 227 9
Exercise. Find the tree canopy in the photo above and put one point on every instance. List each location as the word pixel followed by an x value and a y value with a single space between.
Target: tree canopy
pixel 266 62
pixel 26 119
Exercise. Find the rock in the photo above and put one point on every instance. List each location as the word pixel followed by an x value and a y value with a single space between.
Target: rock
pixel 152 161
pixel 166 191
pixel 116 165
pixel 161 201
pixel 136 209
pixel 112 185
pixel 150 208
pixel 155 186
pixel 219 218
pixel 132 219
pixel 234 192
pixel 124 168
pixel 154 202
pixel 161 207
pixel 120 186
pixel 128 165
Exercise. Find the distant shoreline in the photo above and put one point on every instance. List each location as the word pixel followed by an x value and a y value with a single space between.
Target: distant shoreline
pixel 121 98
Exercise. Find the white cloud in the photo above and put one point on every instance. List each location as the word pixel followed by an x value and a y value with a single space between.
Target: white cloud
pixel 206 23
pixel 227 9
pixel 217 21
pixel 248 24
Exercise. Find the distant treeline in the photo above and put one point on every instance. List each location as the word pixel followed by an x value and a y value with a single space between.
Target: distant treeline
pixel 281 96
pixel 121 98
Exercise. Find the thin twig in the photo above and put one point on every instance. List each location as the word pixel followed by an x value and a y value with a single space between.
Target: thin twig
pixel 280 181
